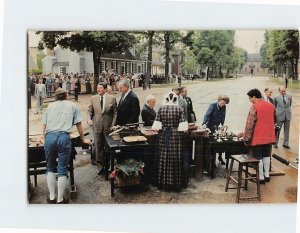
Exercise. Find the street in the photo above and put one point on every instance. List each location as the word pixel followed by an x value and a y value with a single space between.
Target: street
pixel 94 189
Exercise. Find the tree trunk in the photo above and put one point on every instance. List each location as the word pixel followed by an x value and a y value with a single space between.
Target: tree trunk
pixel 207 73
pixel 296 69
pixel 227 73
pixel 149 60
pixel 167 56
pixel 97 62
pixel 220 72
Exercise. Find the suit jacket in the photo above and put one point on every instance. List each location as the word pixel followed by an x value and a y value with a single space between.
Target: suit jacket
pixel 148 115
pixel 269 99
pixel 190 111
pixel 42 93
pixel 183 105
pixel 128 110
pixel 283 111
pixel 103 121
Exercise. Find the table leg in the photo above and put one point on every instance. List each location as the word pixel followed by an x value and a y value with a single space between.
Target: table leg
pixel 212 164
pixel 73 191
pixel 112 167
pixel 198 158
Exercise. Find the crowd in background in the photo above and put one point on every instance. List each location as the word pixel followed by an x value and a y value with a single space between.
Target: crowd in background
pixel 84 82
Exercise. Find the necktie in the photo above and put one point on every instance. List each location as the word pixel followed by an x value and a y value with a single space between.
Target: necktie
pixel 101 102
pixel 122 98
pixel 284 102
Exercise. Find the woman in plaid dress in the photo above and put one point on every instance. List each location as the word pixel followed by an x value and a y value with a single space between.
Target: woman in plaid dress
pixel 172 169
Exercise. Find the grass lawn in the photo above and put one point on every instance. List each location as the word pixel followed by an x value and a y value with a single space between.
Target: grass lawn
pixel 293 84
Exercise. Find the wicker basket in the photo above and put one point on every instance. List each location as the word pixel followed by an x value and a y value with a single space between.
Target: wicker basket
pixel 123 180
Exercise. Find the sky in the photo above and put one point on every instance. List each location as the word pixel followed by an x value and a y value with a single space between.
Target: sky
pixel 250 40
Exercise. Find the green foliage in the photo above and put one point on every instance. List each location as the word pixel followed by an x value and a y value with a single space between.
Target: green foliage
pixel 190 64
pixel 214 49
pixel 169 39
pixel 130 166
pixel 35 71
pixel 40 56
pixel 280 52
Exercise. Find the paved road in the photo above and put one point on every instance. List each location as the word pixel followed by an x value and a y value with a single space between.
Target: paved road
pixel 281 188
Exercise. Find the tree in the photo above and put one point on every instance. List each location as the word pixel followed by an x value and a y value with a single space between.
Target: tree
pixel 239 59
pixel 190 64
pixel 40 56
pixel 280 52
pixel 169 39
pixel 97 42
pixel 149 37
pixel 214 49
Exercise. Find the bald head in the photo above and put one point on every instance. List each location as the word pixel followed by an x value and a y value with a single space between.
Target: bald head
pixel 282 90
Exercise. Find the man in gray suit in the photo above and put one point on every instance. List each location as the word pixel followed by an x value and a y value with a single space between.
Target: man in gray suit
pixel 102 115
pixel 40 95
pixel 283 103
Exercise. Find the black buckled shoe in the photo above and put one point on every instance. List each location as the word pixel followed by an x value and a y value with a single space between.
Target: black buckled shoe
pixel 262 181
pixel 267 179
pixel 101 171
pixel 49 201
pixel 287 147
pixel 64 201
pixel 275 146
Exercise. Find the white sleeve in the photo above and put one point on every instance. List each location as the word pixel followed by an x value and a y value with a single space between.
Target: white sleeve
pixel 183 126
pixel 157 125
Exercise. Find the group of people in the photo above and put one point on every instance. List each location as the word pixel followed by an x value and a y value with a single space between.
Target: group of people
pixel 266 117
pixel 43 86
pixel 170 120
pixel 83 81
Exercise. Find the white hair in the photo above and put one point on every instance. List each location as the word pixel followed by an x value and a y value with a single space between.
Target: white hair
pixel 149 98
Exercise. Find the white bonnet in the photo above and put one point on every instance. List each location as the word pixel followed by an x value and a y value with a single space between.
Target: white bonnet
pixel 170 99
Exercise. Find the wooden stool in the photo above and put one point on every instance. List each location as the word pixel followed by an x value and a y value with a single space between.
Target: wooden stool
pixel 243 161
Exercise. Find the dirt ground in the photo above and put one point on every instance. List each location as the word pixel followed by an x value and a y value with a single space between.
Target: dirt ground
pixel 94 189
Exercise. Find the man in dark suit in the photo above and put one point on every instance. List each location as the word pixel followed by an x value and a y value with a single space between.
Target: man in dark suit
pixel 268 95
pixel 128 110
pixel 148 113
pixel 190 111
pixel 283 103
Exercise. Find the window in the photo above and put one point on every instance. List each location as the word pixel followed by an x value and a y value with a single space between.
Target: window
pixel 62 70
pixel 102 66
pixel 134 68
pixel 122 67
pixel 139 68
pixel 143 68
pixel 114 66
pixel 128 67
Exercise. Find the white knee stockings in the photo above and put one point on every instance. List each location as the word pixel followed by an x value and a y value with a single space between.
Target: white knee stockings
pixel 61 186
pixel 51 181
pixel 264 168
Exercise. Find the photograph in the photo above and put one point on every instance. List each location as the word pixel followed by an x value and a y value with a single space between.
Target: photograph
pixel 163 117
